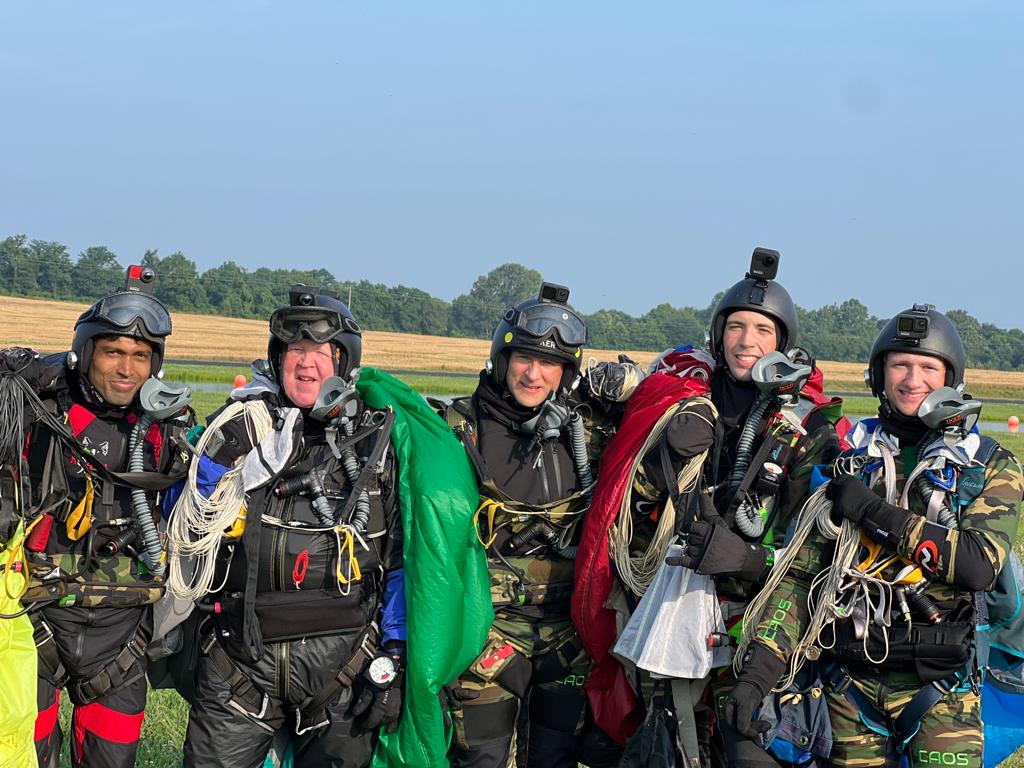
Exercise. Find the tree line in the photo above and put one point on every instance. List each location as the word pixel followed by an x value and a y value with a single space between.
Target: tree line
pixel 833 332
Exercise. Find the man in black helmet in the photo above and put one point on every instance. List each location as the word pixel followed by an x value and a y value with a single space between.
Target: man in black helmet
pixel 765 433
pixel 937 508
pixel 305 591
pixel 524 432
pixel 93 551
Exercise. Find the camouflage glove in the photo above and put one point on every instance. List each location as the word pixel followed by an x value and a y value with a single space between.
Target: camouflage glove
pixel 380 703
pixel 712 549
pixel 882 522
pixel 761 671
pixel 614 382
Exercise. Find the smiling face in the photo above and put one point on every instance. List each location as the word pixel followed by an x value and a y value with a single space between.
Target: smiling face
pixel 118 368
pixel 305 365
pixel 531 379
pixel 910 378
pixel 747 337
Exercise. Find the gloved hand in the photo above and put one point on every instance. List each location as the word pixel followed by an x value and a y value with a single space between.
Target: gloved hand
pixel 880 521
pixel 233 443
pixel 39 372
pixel 613 381
pixel 691 431
pixel 712 549
pixel 761 671
pixel 379 705
pixel 452 696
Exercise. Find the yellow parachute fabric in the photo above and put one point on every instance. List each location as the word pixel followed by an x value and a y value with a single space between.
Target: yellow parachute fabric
pixel 17 662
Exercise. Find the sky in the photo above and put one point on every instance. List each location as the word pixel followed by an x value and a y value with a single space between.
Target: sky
pixel 636 152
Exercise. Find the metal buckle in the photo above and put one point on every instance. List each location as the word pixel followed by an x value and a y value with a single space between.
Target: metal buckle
pixel 299 730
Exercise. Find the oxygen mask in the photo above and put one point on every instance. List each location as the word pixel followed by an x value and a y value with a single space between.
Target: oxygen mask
pixel 778 376
pixel 947 411
pixel 337 401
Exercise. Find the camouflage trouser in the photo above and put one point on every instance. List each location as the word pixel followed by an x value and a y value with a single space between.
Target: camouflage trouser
pixel 951 732
pixel 539 661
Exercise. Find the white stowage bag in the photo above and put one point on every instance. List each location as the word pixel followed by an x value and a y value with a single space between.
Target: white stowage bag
pixel 668 632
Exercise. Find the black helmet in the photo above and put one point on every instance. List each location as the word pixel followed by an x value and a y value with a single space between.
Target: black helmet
pixel 925 331
pixel 317 314
pixel 133 312
pixel 758 292
pixel 546 326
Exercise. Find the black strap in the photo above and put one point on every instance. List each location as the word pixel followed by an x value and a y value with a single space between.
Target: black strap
pixel 905 725
pixel 672 482
pixel 311 714
pixel 116 673
pixel 370 468
pixel 246 696
pixel 51 668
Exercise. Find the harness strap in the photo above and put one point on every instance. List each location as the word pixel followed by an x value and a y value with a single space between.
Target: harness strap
pixel 51 668
pixel 246 696
pixel 905 725
pixel 312 713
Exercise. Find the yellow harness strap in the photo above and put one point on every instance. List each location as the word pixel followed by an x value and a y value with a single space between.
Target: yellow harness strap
pixel 347 544
pixel 80 520
pixel 490 508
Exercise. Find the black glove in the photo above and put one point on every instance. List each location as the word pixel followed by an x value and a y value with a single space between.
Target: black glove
pixel 761 671
pixel 691 431
pixel 452 696
pixel 381 705
pixel 882 522
pixel 39 372
pixel 712 549
pixel 231 442
pixel 613 381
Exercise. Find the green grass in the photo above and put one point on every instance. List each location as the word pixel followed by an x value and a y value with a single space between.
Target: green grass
pixel 868 406
pixel 209 374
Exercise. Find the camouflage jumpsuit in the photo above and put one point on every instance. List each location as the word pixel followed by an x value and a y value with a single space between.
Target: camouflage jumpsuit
pixel 533 657
pixel 950 732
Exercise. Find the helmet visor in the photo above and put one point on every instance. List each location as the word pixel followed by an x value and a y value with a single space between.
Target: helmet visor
pixel 317 323
pixel 124 310
pixel 540 319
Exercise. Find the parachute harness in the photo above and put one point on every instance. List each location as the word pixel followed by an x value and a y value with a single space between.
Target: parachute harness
pixel 853 587
pixel 197 523
pixel 638 571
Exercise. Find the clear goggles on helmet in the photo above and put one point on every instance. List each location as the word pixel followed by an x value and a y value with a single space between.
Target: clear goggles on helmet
pixel 540 319
pixel 124 310
pixel 317 323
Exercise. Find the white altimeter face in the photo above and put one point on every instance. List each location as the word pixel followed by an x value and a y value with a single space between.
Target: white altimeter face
pixel 382 671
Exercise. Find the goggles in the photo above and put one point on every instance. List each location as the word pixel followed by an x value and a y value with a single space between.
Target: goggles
pixel 539 320
pixel 124 310
pixel 290 324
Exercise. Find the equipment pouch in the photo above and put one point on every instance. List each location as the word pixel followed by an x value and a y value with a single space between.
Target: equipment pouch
pixel 933 651
pixel 501 663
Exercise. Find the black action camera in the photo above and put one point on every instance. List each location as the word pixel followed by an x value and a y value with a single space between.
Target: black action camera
pixel 140 280
pixel 554 293
pixel 764 264
pixel 913 325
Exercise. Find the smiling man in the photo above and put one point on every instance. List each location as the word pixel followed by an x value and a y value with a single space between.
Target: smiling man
pixel 535 482
pixel 92 610
pixel 937 505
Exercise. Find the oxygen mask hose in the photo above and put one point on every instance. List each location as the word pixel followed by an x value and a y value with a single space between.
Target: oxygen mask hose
pixel 350 463
pixel 152 554
pixel 579 455
pixel 944 515
pixel 745 444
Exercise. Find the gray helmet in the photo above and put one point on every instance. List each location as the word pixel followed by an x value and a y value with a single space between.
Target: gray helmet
pixel 132 312
pixel 922 330
pixel 546 326
pixel 757 293
pixel 317 314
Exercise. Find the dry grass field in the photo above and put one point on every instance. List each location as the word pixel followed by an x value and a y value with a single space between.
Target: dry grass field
pixel 46 326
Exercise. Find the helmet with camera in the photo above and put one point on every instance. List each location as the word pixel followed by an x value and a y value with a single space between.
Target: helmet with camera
pixel 320 315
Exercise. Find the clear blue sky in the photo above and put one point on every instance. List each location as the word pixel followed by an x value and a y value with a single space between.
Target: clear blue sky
pixel 635 151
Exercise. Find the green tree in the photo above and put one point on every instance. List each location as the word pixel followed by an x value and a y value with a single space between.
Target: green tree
pixel 177 282
pixel 96 273
pixel 54 273
pixel 476 313
pixel 228 290
pixel 16 274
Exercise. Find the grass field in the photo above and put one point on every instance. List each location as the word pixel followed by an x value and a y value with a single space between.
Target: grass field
pixel 46 326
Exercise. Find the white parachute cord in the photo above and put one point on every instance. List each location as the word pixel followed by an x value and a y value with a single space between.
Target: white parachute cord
pixel 197 523
pixel 637 570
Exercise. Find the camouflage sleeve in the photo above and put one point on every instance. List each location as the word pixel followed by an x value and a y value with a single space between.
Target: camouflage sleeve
pixel 819 446
pixel 970 558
